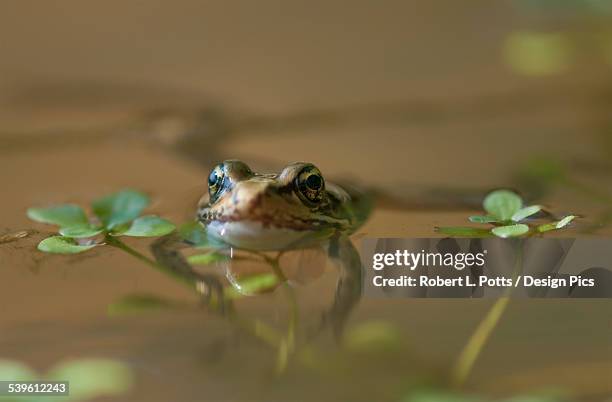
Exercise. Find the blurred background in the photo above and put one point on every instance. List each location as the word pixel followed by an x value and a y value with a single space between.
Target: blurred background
pixel 412 98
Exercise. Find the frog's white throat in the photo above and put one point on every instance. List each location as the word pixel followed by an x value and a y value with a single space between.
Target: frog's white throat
pixel 253 235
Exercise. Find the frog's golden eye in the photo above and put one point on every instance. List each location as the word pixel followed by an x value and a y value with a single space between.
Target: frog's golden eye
pixel 310 184
pixel 215 180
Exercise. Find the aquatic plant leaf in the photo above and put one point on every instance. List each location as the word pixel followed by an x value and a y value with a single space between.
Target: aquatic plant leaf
pixel 61 215
pixel 510 230
pixel 12 370
pixel 502 204
pixel 138 303
pixel 373 336
pixel 80 231
pixel 149 226
pixel 538 53
pixel 119 208
pixel 195 233
pixel 62 245
pixel 556 225
pixel 565 221
pixel 207 258
pixel 251 285
pixel 463 231
pixel 534 398
pixel 547 227
pixel 118 230
pixel 482 219
pixel 90 378
pixel 526 212
pixel 439 396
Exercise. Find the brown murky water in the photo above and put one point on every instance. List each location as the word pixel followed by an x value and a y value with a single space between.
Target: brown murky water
pixel 406 98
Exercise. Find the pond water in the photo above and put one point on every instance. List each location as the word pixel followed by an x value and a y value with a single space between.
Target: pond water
pixel 431 128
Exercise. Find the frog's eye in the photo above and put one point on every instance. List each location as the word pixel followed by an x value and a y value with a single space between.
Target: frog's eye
pixel 215 180
pixel 310 184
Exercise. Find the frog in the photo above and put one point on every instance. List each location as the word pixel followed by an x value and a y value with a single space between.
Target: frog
pixel 293 209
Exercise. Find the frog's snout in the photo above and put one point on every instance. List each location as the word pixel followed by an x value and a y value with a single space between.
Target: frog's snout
pixel 249 193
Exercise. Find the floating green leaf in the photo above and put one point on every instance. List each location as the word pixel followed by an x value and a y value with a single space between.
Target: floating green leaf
pixel 547 227
pixel 195 233
pixel 482 219
pixel 565 221
pixel 121 207
pixel 90 378
pixel 149 226
pixel 534 398
pixel 61 215
pixel 526 212
pixel 463 231
pixel 11 370
pixel 80 231
pixel 439 396
pixel 62 245
pixel 556 225
pixel 373 336
pixel 510 230
pixel 207 258
pixel 538 53
pixel 251 285
pixel 138 303
pixel 502 204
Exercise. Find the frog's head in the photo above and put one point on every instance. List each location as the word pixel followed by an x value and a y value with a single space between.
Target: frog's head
pixel 270 211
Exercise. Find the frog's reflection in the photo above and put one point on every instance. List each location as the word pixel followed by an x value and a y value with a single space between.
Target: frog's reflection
pixel 170 251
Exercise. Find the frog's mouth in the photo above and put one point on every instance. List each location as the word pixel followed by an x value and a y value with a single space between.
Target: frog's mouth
pixel 268 220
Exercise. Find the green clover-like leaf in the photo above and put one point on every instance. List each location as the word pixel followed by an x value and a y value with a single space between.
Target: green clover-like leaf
pixel 482 219
pixel 90 378
pixel 556 225
pixel 463 231
pixel 510 230
pixel 195 233
pixel 62 245
pixel 526 212
pixel 80 231
pixel 149 226
pixel 565 221
pixel 120 208
pixel 61 215
pixel 502 204
pixel 12 370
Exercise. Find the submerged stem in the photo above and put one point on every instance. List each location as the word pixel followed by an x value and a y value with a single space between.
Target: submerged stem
pixel 287 345
pixel 485 328
pixel 257 328
pixel 117 243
